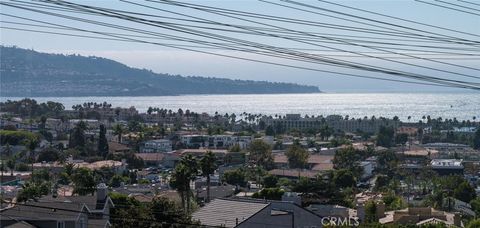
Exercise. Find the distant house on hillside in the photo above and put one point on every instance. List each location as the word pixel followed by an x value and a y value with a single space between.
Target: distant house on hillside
pixel 156 146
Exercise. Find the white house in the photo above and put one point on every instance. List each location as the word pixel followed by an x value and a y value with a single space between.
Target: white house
pixel 156 146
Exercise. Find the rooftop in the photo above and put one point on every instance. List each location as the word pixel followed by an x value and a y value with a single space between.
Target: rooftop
pixel 293 173
pixel 446 163
pixel 224 212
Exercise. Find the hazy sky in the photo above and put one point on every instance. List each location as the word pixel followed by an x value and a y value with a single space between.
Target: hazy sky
pixel 173 61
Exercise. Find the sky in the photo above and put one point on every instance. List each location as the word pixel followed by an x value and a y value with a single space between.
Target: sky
pixel 174 61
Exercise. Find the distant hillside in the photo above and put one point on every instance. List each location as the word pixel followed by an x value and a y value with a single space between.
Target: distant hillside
pixel 30 73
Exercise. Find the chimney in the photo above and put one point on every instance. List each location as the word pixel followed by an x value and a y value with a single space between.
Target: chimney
pixel 380 212
pixel 102 191
pixel 457 220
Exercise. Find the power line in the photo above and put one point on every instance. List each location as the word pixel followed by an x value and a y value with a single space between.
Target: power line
pixel 186 5
pixel 191 46
pixel 416 57
pixel 472 3
pixel 309 58
pixel 401 19
pixel 447 7
pixel 457 5
pixel 286 65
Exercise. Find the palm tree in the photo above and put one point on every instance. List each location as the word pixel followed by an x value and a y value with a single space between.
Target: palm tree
pixel 11 165
pixel 118 130
pixel 180 182
pixel 185 172
pixel 208 166
pixel 32 145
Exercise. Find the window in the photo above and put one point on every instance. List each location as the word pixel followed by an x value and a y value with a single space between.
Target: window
pixel 82 223
pixel 61 224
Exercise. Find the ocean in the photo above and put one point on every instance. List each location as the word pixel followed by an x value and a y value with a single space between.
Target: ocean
pixel 463 106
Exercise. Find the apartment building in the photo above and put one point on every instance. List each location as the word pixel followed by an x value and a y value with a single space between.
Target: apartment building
pixel 156 146
pixel 215 141
pixel 336 122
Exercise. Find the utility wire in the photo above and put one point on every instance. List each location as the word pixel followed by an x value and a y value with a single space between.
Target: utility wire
pixel 398 18
pixel 285 65
pixel 472 3
pixel 447 7
pixel 176 3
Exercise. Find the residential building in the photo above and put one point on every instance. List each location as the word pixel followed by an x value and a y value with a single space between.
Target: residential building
pixel 421 216
pixel 282 214
pixel 447 166
pixel 117 148
pixel 237 212
pixel 367 168
pixel 315 162
pixel 328 210
pixel 215 141
pixel 336 122
pixel 221 191
pixel 66 212
pixel 156 146
pixel 294 173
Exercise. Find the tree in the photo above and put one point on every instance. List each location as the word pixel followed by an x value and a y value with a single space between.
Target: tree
pixel 32 190
pixel 269 194
pixel 185 172
pixel 476 140
pixel 476 205
pixel 297 156
pixel 166 211
pixel 269 131
pixel 371 212
pixel 473 224
pixel 234 177
pixel 261 154
pixel 387 161
pixel 32 145
pixel 102 142
pixel 118 130
pixel 84 181
pixel 347 158
pixel 401 138
pixel 63 179
pixel 325 132
pixel 235 148
pixel 116 181
pixel 129 212
pixel 208 166
pixel 7 150
pixel 344 178
pixel 49 154
pixel 77 136
pixel 385 136
pixel 270 181
pixel 133 161
pixel 464 192
pixel 261 125
pixel 180 181
pixel 11 165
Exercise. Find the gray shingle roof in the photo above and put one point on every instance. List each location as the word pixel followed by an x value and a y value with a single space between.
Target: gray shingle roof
pixel 89 200
pixel 224 212
pixel 98 223
pixel 43 211
pixel 21 224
